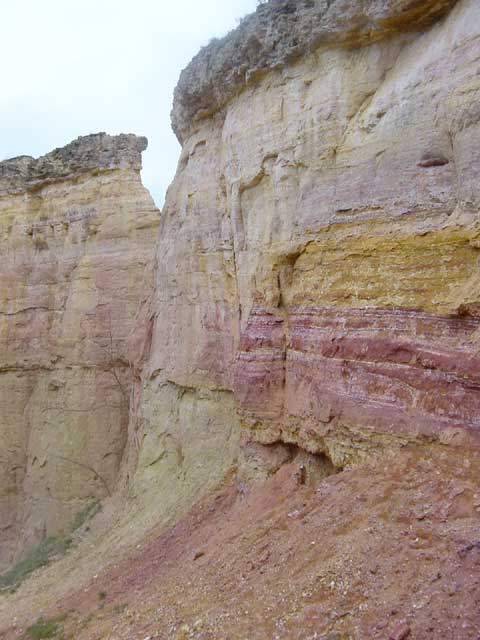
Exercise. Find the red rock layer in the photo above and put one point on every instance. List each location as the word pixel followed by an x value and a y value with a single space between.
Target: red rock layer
pixel 394 371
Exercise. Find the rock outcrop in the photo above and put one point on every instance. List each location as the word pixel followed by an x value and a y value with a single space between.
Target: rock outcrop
pixel 315 286
pixel 77 234
pixel 280 33
pixel 318 261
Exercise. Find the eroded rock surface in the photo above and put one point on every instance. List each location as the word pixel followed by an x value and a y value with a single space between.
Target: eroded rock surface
pixel 281 32
pixel 77 233
pixel 319 252
pixel 315 287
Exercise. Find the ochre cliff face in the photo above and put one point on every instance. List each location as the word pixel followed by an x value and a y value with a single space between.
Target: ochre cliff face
pixel 77 232
pixel 319 249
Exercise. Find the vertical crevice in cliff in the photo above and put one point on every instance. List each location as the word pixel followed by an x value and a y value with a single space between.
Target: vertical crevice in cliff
pixel 234 206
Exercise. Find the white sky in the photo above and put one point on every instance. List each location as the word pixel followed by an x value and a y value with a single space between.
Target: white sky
pixel 73 67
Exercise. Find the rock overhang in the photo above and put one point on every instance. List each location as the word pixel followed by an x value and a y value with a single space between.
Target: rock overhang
pixel 277 34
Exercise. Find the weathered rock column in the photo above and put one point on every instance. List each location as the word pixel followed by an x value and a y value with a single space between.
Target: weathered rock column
pixel 77 229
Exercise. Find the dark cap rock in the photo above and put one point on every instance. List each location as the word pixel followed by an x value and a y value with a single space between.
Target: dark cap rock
pixel 96 152
pixel 279 32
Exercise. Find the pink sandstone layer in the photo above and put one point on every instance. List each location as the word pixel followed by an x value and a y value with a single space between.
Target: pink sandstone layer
pixel 401 372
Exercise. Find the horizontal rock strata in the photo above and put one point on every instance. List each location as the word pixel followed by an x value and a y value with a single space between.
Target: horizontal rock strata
pixel 319 253
pixel 321 375
pixel 315 281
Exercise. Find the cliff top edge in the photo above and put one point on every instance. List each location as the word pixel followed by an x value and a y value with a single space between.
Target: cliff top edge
pixel 280 32
pixel 98 151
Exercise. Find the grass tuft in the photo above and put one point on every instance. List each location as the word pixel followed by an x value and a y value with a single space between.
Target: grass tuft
pixel 37 557
pixel 86 514
pixel 48 548
pixel 45 628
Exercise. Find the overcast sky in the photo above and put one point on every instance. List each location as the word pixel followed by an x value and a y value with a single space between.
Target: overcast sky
pixel 73 67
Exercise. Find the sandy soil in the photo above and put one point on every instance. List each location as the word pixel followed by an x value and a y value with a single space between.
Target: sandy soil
pixel 389 550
